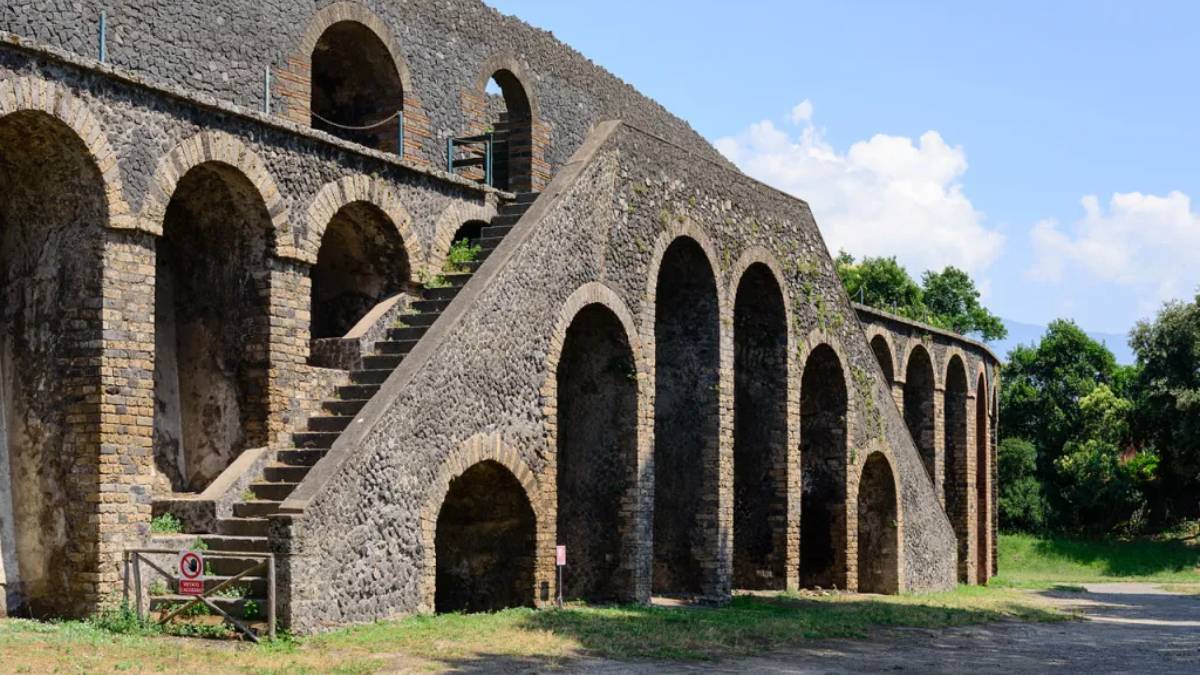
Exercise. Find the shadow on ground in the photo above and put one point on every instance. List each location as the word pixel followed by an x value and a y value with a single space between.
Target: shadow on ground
pixel 1125 558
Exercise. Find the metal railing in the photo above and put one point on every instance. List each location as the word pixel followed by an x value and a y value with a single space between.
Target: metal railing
pixel 471 151
pixel 134 558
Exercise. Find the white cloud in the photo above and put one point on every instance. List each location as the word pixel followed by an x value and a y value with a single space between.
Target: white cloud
pixel 884 196
pixel 1145 243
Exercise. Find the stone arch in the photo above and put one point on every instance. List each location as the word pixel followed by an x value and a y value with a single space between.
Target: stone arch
pixel 34 94
pixel 825 423
pixel 982 479
pixel 335 196
pixel 212 313
pixel 682 313
pixel 955 483
pixel 485 449
pixel 513 116
pixel 597 434
pixel 762 360
pixel 920 406
pixel 448 224
pixel 218 147
pixel 55 203
pixel 878 527
pixel 885 353
pixel 296 85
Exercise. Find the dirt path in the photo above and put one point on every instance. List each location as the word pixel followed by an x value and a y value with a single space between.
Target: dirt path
pixel 1129 628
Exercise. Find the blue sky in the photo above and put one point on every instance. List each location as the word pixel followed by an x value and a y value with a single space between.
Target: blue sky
pixel 1050 148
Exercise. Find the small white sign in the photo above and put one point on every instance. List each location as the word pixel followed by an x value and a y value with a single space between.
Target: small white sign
pixel 191 573
pixel 561 555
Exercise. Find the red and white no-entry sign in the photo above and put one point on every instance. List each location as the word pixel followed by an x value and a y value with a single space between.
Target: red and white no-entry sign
pixel 191 573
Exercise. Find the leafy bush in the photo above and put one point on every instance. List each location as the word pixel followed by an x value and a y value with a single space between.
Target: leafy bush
pixel 461 253
pixel 1022 505
pixel 166 524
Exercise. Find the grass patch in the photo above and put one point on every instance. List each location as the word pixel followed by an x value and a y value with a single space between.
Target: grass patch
pixel 1027 561
pixel 538 639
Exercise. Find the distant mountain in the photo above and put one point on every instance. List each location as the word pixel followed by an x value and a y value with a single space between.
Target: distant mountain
pixel 1028 334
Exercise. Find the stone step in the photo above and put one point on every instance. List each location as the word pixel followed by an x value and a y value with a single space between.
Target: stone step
pixel 275 491
pixel 446 293
pixel 300 456
pixel 386 362
pixel 349 392
pixel 456 279
pixel 505 219
pixel 473 266
pixel 527 198
pixel 395 346
pixel 483 254
pixel 411 333
pixel 496 231
pixel 490 243
pixel 341 407
pixel 329 422
pixel 242 525
pixel 370 376
pixel 235 606
pixel 436 306
pixel 420 319
pixel 318 439
pixel 252 585
pixel 238 543
pixel 285 473
pixel 228 567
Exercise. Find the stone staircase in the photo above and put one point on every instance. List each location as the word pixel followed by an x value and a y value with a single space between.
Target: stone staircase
pixel 247 530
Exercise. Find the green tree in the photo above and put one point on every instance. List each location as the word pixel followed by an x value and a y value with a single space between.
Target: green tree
pixel 1167 395
pixel 953 302
pixel 882 283
pixel 1022 505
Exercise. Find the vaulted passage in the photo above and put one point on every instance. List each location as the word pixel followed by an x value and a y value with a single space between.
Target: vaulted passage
pixel 686 418
pixel 760 432
pixel 362 261
pixel 878 534
pixel 955 482
pixel 355 84
pixel 982 481
pixel 52 212
pixel 485 543
pixel 823 408
pixel 211 327
pixel 919 407
pixel 597 455
pixel 511 119
pixel 883 354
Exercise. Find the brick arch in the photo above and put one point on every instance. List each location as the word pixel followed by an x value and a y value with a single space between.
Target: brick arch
pixel 475 107
pixel 877 448
pixel 677 230
pixel 353 189
pixel 295 84
pixel 912 344
pixel 759 255
pixel 951 352
pixel 508 61
pixel 872 332
pixel 483 447
pixel 448 223
pixel 221 148
pixel 52 99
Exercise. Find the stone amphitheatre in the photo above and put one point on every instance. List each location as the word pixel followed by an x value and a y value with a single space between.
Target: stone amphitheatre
pixel 228 295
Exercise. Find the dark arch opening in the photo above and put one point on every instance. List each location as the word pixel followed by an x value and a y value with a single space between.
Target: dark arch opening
pixel 954 482
pixel 982 482
pixel 686 420
pixel 485 543
pixel 355 84
pixel 883 354
pixel 878 532
pixel 760 432
pixel 362 261
pixel 470 231
pixel 919 408
pixel 52 214
pixel 211 326
pixel 823 408
pixel 511 118
pixel 597 455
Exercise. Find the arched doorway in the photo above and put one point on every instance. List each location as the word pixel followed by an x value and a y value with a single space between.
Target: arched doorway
pixel 211 326
pixel 52 216
pixel 686 419
pixel 954 482
pixel 357 93
pixel 597 455
pixel 485 543
pixel 510 117
pixel 878 530
pixel 823 408
pixel 919 407
pixel 883 354
pixel 760 367
pixel 982 497
pixel 362 261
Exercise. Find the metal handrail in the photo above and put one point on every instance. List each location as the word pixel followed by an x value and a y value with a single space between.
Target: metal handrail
pixel 487 140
